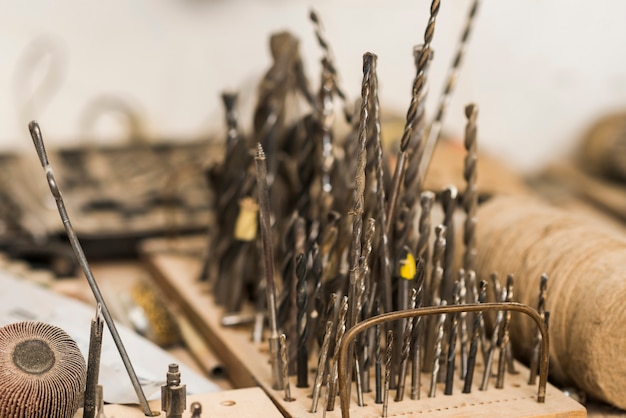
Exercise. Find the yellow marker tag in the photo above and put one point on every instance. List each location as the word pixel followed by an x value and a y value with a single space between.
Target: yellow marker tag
pixel 408 268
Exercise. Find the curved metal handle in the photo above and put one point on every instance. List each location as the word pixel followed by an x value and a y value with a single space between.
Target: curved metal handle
pixel 435 310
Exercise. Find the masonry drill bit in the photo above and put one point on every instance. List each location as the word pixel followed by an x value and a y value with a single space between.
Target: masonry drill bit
pixel 471 360
pixel 321 365
pixel 500 297
pixel 448 201
pixel 377 358
pixel 470 196
pixel 302 323
pixel 93 364
pixel 268 254
pixel 388 355
pixel 422 251
pixel 504 342
pixel 35 134
pixel 414 113
pixel 341 329
pixel 285 368
pixel 329 61
pixel 406 348
pixel 541 309
pixel 454 326
pixel 453 72
pixel 437 352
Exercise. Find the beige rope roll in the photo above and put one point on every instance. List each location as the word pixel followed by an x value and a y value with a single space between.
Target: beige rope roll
pixel 586 266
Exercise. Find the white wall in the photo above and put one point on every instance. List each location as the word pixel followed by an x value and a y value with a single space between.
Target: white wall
pixel 540 70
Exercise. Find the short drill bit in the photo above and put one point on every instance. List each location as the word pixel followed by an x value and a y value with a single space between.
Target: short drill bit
pixel 406 348
pixel 471 360
pixel 196 410
pixel 504 342
pixel 453 72
pixel 93 364
pixel 268 253
pixel 434 298
pixel 454 326
pixel 388 355
pixel 302 323
pixel 422 251
pixel 285 367
pixel 321 366
pixel 417 332
pixel 341 329
pixel 470 196
pixel 541 309
pixel 437 352
pixel 500 297
pixel 463 333
pixel 37 138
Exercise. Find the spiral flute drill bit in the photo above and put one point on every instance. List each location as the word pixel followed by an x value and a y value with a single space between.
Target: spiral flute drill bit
pixel 439 249
pixel 437 352
pixel 464 338
pixel 471 361
pixel 406 348
pixel 417 341
pixel 422 251
pixel 503 343
pixel 332 367
pixel 541 309
pixel 388 356
pixel 285 368
pixel 448 201
pixel 470 196
pixel 500 297
pixel 453 72
pixel 414 113
pixel 378 360
pixel 268 254
pixel 302 355
pixel 321 366
pixel 454 326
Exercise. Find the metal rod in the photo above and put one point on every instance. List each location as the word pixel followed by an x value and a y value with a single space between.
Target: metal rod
pixel 35 133
pixel 437 310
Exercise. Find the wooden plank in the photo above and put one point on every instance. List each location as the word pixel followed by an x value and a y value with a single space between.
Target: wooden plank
pixel 250 362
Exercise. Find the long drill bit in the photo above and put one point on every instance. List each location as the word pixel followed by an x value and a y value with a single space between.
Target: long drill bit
pixel 364 357
pixel 434 298
pixel 93 364
pixel 377 357
pixel 437 352
pixel 541 309
pixel 388 355
pixel 302 356
pixel 471 361
pixel 454 326
pixel 321 366
pixel 422 251
pixel 268 253
pixel 453 72
pixel 341 329
pixel 406 348
pixel 463 332
pixel 448 201
pixel 414 113
pixel 417 340
pixel 500 297
pixel 504 342
pixel 35 133
pixel 470 196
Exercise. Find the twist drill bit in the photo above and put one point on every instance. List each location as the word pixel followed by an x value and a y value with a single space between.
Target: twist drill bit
pixel 500 297
pixel 453 72
pixel 35 133
pixel 93 364
pixel 463 324
pixel 471 279
pixel 434 297
pixel 377 358
pixel 362 352
pixel 329 62
pixel 448 201
pixel 454 326
pixel 470 196
pixel 422 251
pixel 406 348
pixel 285 367
pixel 417 332
pixel 302 323
pixel 388 355
pixel 321 366
pixel 504 342
pixel 471 361
pixel 384 261
pixel 332 367
pixel 437 352
pixel 415 111
pixel 541 309
pixel 196 410
pixel 268 256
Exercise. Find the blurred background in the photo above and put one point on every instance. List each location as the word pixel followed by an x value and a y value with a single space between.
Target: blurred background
pixel 541 71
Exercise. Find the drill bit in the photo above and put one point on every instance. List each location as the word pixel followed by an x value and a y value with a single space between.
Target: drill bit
pixel 437 352
pixel 321 365
pixel 35 133
pixel 422 251
pixel 341 329
pixel 361 348
pixel 406 348
pixel 448 201
pixel 471 361
pixel 268 254
pixel 541 309
pixel 434 297
pixel 388 355
pixel 302 323
pixel 470 196
pixel 504 341
pixel 196 410
pixel 415 112
pixel 377 357
pixel 453 72
pixel 500 297
pixel 454 326
pixel 285 367
pixel 93 364
pixel 463 324
pixel 417 332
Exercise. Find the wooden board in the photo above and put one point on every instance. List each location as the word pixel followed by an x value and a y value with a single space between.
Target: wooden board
pixel 250 402
pixel 248 363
